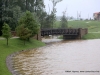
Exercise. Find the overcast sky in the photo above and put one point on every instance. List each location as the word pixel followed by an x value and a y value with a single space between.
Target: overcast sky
pixel 85 7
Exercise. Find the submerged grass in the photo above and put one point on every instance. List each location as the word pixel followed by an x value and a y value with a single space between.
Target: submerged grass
pixel 14 46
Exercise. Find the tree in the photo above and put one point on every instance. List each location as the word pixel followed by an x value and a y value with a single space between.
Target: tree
pixel 23 33
pixel 6 33
pixel 11 10
pixel 29 22
pixel 48 22
pixel 64 23
pixel 71 18
pixel 9 13
pixel 16 11
pixel 54 3
pixel 42 18
pixel 11 16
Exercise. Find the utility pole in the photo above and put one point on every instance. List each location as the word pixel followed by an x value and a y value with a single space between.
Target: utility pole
pixel 80 15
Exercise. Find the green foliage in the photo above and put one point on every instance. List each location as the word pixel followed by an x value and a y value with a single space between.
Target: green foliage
pixel 64 23
pixel 23 33
pixel 47 22
pixel 42 19
pixel 11 10
pixel 11 15
pixel 16 15
pixel 53 12
pixel 6 33
pixel 28 20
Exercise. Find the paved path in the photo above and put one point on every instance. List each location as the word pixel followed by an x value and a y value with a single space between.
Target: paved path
pixel 11 38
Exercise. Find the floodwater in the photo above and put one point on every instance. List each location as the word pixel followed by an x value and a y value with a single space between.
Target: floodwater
pixel 77 57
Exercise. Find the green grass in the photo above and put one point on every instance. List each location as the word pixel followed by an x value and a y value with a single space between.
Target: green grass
pixel 93 26
pixel 91 36
pixel 14 46
pixel 87 36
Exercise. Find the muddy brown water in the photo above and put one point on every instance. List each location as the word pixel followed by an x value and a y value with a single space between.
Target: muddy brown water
pixel 77 57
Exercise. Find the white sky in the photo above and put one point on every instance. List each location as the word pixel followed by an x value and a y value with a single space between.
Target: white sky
pixel 86 7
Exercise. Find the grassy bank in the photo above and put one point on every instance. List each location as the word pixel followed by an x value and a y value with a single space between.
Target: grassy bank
pixel 14 46
pixel 93 26
pixel 87 36
pixel 91 36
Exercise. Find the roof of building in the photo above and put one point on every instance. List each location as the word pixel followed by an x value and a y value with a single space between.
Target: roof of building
pixel 97 13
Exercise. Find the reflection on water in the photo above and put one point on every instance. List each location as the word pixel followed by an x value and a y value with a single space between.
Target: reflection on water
pixel 60 57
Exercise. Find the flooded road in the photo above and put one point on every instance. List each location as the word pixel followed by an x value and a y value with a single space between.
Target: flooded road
pixel 61 58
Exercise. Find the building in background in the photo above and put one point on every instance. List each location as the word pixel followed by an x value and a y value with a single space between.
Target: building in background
pixel 96 16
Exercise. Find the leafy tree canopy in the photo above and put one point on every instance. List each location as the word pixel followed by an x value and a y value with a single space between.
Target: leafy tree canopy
pixel 29 21
pixel 6 33
pixel 23 33
pixel 64 23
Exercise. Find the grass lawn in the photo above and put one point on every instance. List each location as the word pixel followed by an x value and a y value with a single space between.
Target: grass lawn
pixel 91 36
pixel 14 46
pixel 88 36
pixel 93 26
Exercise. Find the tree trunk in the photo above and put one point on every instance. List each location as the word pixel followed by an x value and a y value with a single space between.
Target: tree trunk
pixel 1 23
pixel 28 39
